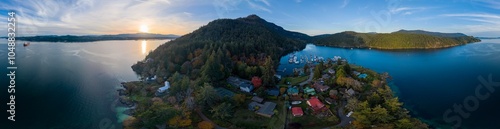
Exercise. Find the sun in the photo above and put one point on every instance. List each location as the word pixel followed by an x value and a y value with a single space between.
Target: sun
pixel 144 29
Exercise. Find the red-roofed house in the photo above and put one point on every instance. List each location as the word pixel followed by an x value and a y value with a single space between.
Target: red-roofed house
pixel 315 104
pixel 297 111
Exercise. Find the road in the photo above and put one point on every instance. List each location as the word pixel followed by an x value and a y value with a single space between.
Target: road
pixel 309 79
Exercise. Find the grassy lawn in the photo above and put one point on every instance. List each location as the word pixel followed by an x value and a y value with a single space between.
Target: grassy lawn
pixel 278 120
pixel 294 80
pixel 245 118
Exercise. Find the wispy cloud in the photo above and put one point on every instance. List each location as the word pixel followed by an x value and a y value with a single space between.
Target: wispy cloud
pixel 265 2
pixel 495 4
pixel 483 22
pixel 408 10
pixel 345 3
pixel 256 6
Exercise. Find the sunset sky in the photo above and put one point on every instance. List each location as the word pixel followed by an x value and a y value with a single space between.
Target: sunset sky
pixel 313 17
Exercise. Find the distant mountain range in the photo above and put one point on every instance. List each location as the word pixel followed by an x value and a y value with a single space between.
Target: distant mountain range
pixel 91 38
pixel 488 37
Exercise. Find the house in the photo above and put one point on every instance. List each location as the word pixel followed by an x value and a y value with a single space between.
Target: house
pixel 266 109
pixel 333 93
pixel 336 58
pixel 273 92
pixel 320 87
pixel 325 76
pixel 243 84
pixel 315 104
pixel 164 88
pixel 309 91
pixel 356 73
pixel 297 111
pixel 246 87
pixel 331 71
pixel 362 76
pixel 293 91
pixel 350 92
pixel 278 76
pixel 223 92
pixel 257 99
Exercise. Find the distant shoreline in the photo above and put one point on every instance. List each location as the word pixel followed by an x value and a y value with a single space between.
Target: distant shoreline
pixel 72 38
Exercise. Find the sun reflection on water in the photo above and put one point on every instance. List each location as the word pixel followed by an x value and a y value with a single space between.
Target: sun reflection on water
pixel 143 46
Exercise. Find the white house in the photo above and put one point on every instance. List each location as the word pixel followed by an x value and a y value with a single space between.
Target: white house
pixel 164 88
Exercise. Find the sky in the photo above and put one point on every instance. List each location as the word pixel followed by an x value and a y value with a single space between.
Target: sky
pixel 312 17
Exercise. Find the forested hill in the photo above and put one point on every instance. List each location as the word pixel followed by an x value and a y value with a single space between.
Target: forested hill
pixel 403 39
pixel 243 42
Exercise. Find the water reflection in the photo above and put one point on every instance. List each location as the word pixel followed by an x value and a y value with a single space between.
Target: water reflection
pixel 143 46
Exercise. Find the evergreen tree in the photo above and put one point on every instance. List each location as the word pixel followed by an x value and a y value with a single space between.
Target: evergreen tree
pixel 268 73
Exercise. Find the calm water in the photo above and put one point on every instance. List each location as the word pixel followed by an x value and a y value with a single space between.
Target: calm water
pixel 431 81
pixel 71 85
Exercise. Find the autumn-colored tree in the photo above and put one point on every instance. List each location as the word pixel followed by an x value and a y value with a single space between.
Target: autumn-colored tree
pixel 256 81
pixel 130 122
pixel 376 83
pixel 205 125
pixel 239 99
pixel 179 121
pixel 282 90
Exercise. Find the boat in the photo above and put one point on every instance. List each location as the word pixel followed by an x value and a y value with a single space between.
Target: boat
pixel 26 44
pixel 290 60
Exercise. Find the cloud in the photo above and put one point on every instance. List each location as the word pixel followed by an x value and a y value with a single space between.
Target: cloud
pixel 265 2
pixel 258 7
pixel 483 22
pixel 495 4
pixel 298 1
pixel 408 10
pixel 83 17
pixel 345 3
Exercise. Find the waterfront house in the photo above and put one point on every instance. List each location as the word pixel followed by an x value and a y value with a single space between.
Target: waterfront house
pixel 164 88
pixel 362 76
pixel 356 73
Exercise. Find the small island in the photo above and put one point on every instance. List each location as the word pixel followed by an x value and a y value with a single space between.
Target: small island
pixel 223 76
